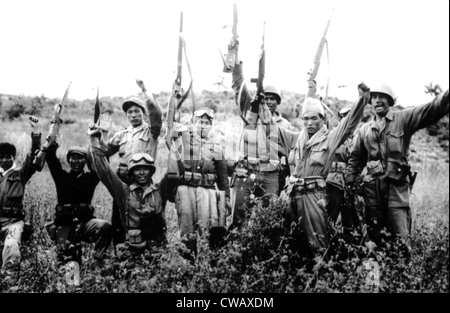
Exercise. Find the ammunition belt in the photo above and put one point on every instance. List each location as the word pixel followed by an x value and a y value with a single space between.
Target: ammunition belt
pixel 12 212
pixel 307 184
pixel 65 213
pixel 198 180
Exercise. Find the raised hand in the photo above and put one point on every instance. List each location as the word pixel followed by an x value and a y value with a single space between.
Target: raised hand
pixel 141 85
pixel 364 91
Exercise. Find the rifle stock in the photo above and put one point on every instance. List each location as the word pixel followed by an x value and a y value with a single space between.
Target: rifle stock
pixel 312 87
pixel 262 65
pixel 55 124
pixel 230 59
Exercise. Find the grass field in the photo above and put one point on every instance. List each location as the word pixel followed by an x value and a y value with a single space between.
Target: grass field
pixel 255 260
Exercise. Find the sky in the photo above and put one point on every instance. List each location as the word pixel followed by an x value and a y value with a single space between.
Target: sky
pixel 108 44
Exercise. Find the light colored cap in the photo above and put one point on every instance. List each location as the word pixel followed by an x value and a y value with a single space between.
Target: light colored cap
pixel 312 105
pixel 133 101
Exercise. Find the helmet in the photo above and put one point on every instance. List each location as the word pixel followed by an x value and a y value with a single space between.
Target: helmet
pixel 384 89
pixel 141 159
pixel 273 90
pixel 133 101
pixel 204 111
pixel 76 150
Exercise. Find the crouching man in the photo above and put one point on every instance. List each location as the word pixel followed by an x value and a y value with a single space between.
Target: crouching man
pixel 74 215
pixel 140 204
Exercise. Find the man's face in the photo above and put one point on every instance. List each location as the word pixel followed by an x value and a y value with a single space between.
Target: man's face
pixel 380 103
pixel 77 162
pixel 203 126
pixel 271 101
pixel 313 122
pixel 141 175
pixel 6 161
pixel 135 116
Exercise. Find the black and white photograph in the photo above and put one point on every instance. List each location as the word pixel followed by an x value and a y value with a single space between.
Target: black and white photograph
pixel 228 153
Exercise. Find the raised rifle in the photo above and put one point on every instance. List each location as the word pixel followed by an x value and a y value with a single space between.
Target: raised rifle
pixel 55 124
pixel 262 66
pixel 230 60
pixel 97 108
pixel 177 97
pixel 312 85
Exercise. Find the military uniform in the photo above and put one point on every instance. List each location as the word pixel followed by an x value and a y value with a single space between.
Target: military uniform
pixel 203 167
pixel 307 188
pixel 74 215
pixel 336 186
pixel 263 143
pixel 129 141
pixel 140 209
pixel 384 152
pixel 12 213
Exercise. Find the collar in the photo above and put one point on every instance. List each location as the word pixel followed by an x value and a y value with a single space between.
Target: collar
pixel 11 169
pixel 319 136
pixel 389 116
pixel 72 173
pixel 149 188
pixel 133 130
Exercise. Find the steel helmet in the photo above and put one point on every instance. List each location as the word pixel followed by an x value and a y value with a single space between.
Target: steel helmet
pixel 384 89
pixel 141 159
pixel 272 90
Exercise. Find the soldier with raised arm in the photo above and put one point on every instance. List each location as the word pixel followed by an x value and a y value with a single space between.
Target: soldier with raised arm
pixel 13 179
pixel 139 204
pixel 263 148
pixel 139 136
pixel 316 148
pixel 382 148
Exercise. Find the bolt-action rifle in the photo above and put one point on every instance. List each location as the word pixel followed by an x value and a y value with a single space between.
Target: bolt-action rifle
pixel 262 66
pixel 312 85
pixel 55 124
pixel 177 97
pixel 230 60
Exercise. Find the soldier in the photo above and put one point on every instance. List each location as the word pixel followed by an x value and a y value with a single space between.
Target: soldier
pixel 138 137
pixel 12 188
pixel 203 169
pixel 382 148
pixel 260 169
pixel 316 148
pixel 287 162
pixel 139 204
pixel 74 220
pixel 272 98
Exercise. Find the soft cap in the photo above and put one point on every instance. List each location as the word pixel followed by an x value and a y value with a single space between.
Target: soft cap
pixel 312 105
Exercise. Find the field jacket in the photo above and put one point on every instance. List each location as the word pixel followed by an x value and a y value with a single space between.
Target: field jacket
pixel 71 188
pixel 203 157
pixel 134 202
pixel 12 188
pixel 263 142
pixel 393 141
pixel 138 139
pixel 314 155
